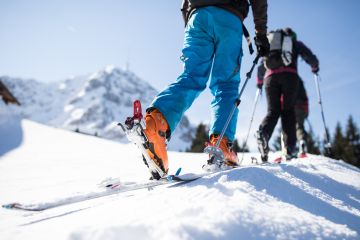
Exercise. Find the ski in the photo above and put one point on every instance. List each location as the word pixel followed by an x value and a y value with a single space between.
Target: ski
pixel 106 188
pixel 278 160
pixel 302 155
pixel 113 186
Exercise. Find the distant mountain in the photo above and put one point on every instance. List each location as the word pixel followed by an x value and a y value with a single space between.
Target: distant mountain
pixel 90 104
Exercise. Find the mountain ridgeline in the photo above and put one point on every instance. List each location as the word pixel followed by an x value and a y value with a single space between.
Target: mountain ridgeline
pixel 92 104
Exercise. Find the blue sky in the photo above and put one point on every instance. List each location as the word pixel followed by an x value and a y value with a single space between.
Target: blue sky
pixel 51 40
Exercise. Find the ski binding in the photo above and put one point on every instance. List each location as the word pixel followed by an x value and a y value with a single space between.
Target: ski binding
pixel 134 131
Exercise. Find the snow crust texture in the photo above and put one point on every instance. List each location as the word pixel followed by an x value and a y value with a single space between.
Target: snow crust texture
pixel 311 198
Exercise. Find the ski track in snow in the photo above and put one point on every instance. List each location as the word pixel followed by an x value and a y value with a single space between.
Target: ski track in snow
pixel 313 198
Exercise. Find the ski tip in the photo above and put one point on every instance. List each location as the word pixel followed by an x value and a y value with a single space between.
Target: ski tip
pixel 5 206
pixel 178 171
pixel 278 160
pixel 10 205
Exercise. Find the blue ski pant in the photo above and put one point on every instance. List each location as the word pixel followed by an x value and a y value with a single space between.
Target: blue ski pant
pixel 212 50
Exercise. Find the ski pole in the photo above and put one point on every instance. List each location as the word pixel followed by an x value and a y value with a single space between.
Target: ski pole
pixel 327 137
pixel 258 93
pixel 238 100
pixel 215 152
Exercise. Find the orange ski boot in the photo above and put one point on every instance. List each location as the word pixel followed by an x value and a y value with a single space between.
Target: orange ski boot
pixel 230 155
pixel 156 131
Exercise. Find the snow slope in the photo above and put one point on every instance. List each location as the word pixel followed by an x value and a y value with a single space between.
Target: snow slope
pixel 314 198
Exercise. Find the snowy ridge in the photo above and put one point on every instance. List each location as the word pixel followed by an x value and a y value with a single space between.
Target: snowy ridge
pixel 312 198
pixel 92 104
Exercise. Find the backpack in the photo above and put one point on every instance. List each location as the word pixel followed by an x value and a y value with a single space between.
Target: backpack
pixel 241 5
pixel 281 50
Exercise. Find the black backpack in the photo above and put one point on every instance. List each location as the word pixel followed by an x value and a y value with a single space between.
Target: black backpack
pixel 241 5
pixel 281 50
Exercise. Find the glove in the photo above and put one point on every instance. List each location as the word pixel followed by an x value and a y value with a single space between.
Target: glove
pixel 262 44
pixel 315 69
pixel 259 85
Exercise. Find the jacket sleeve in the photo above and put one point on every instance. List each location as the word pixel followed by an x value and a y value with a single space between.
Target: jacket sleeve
pixel 259 9
pixel 260 73
pixel 307 54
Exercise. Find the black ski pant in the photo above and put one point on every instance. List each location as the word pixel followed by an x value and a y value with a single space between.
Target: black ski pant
pixel 277 85
pixel 301 115
pixel 301 111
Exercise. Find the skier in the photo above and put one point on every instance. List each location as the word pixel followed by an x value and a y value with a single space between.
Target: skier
pixel 279 72
pixel 212 46
pixel 301 113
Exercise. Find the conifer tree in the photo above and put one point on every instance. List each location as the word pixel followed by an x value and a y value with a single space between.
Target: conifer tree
pixel 346 145
pixel 339 143
pixel 313 143
pixel 238 148
pixel 201 137
pixel 352 148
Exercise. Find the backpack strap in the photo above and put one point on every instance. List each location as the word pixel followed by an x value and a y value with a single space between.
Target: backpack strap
pixel 248 39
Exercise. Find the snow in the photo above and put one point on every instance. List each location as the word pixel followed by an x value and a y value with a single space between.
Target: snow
pixel 313 198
